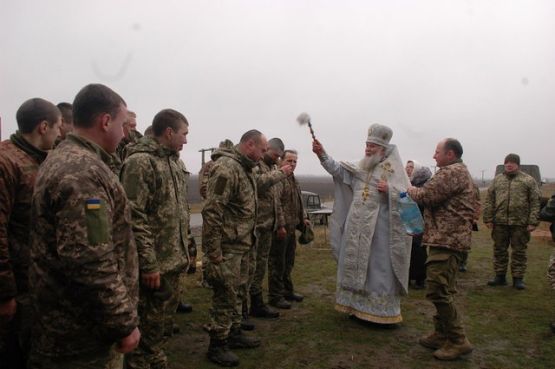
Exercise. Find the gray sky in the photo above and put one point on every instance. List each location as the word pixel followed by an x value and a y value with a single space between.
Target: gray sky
pixel 480 71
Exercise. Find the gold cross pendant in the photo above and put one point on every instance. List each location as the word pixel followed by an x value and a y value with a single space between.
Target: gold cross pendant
pixel 365 193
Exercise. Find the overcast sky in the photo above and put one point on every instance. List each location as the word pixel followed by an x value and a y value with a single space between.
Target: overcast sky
pixel 481 71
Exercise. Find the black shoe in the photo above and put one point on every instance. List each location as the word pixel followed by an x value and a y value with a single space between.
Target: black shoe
pixel 552 326
pixel 184 308
pixel 247 325
pixel 499 280
pixel 219 353
pixel 518 283
pixel 281 303
pixel 260 310
pixel 238 340
pixel 264 311
pixel 294 297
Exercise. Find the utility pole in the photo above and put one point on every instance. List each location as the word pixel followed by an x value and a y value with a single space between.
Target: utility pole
pixel 203 151
pixel 483 182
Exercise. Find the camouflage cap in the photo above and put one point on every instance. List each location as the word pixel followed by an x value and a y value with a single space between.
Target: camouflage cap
pixel 513 158
pixel 379 134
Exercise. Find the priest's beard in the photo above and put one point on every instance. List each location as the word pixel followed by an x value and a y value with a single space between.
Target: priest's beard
pixel 368 163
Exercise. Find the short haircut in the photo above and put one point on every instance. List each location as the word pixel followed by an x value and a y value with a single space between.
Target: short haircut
pixel 148 131
pixel 276 144
pixel 34 111
pixel 290 151
pixel 453 145
pixel 92 101
pixel 253 134
pixel 67 111
pixel 167 118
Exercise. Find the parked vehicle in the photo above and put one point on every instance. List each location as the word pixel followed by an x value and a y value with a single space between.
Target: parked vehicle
pixel 317 213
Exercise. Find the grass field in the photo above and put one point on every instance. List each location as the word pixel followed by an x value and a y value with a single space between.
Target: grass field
pixel 509 328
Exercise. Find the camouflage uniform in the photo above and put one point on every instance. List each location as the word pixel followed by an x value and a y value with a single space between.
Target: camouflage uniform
pixel 229 218
pixel 204 174
pixel 19 164
pixel 122 151
pixel 268 221
pixel 512 204
pixel 282 252
pixel 155 180
pixel 449 202
pixel 84 265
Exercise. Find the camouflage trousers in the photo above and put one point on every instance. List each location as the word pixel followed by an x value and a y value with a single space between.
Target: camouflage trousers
pixel 551 270
pixel 154 309
pixel 264 243
pixel 109 359
pixel 442 266
pixel 229 280
pixel 515 236
pixel 15 336
pixel 280 266
pixel 245 287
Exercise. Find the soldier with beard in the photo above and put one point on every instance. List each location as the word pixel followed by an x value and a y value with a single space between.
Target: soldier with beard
pixel 367 235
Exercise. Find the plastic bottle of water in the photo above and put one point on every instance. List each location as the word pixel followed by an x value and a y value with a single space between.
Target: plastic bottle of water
pixel 410 215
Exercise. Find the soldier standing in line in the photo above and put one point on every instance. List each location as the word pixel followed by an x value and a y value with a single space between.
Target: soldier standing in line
pixel 83 271
pixel 204 174
pixel 268 221
pixel 155 180
pixel 38 122
pixel 229 220
pixel 67 121
pixel 449 201
pixel 511 211
pixel 130 136
pixel 282 252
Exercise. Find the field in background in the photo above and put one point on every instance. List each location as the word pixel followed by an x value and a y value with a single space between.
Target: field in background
pixel 509 328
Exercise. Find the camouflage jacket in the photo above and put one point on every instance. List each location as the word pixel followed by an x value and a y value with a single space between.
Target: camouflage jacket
pixel 269 206
pixel 203 177
pixel 84 265
pixel 512 200
pixel 291 203
pixel 19 164
pixel 449 201
pixel 229 214
pixel 155 180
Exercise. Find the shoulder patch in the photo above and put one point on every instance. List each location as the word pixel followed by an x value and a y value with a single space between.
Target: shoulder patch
pixel 96 220
pixel 221 183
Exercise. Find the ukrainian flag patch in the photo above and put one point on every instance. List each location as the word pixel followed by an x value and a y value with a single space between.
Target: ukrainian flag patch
pixel 93 204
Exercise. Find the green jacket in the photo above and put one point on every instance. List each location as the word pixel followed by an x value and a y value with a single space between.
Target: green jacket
pixel 270 215
pixel 155 180
pixel 230 212
pixel 512 200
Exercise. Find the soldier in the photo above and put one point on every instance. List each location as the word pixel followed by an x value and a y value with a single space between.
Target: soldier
pixel 130 136
pixel 155 180
pixel 67 120
pixel 282 252
pixel 449 203
pixel 229 219
pixel 38 122
pixel 269 217
pixel 83 258
pixel 204 174
pixel 511 211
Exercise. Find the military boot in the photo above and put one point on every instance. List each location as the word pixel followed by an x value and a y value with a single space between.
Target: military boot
pixel 433 340
pixel 260 310
pixel 280 303
pixel 246 324
pixel 552 326
pixel 452 350
pixel 499 280
pixel 219 353
pixel 518 283
pixel 237 339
